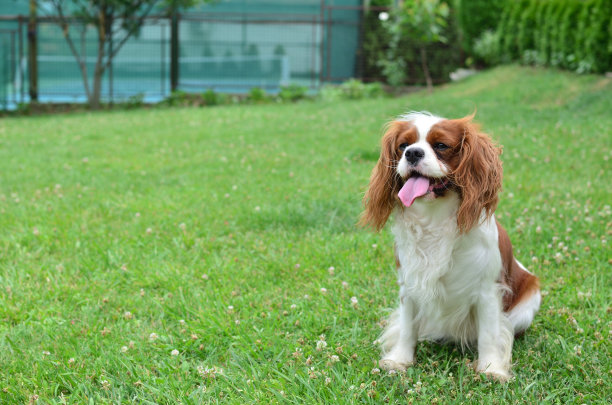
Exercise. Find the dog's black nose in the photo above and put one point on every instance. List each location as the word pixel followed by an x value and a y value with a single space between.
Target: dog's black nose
pixel 413 155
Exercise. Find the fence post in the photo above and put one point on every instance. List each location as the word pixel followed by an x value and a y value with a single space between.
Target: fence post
pixel 32 53
pixel 174 50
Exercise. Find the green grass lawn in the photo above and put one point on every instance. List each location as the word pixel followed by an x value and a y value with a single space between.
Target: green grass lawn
pixel 211 255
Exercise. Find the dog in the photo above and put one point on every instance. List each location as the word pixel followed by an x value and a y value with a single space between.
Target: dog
pixel 458 279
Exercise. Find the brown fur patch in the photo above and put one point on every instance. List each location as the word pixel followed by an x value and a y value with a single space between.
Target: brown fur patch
pixel 476 168
pixel 385 183
pixel 522 284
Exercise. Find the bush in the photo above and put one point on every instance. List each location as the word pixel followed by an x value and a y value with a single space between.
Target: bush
pixel 571 34
pixel 292 93
pixel 475 18
pixel 417 28
pixel 486 47
pixel 351 90
pixel 257 95
pixel 177 98
pixel 376 40
pixel 210 97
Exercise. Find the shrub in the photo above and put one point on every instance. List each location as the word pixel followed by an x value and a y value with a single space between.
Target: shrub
pixel 572 34
pixel 475 18
pixel 177 98
pixel 257 95
pixel 351 90
pixel 376 41
pixel 486 47
pixel 134 101
pixel 423 43
pixel 210 97
pixel 292 93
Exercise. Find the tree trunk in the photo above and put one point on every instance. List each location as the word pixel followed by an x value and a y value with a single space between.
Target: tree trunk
pixel 426 69
pixel 33 53
pixel 94 99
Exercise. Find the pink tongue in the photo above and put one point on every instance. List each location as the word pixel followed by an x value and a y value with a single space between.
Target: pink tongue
pixel 414 187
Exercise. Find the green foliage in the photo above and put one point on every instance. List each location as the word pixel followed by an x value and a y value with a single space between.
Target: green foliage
pixel 525 39
pixel 474 18
pixel 375 43
pixel 424 20
pixel 292 93
pixel 351 90
pixel 177 98
pixel 211 98
pixel 486 47
pixel 135 101
pixel 509 29
pixel 570 34
pixel 257 95
pixel 422 43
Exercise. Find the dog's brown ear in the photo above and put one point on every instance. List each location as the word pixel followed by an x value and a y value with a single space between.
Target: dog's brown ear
pixel 385 183
pixel 478 175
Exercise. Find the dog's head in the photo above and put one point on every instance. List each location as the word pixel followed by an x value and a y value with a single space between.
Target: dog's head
pixel 427 157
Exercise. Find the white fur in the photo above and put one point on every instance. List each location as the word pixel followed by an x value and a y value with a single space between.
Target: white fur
pixel 523 313
pixel 449 287
pixel 430 165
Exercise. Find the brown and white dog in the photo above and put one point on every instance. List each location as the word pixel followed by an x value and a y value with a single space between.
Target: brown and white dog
pixel 458 279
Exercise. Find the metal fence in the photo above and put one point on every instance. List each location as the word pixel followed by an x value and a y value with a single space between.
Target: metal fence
pixel 227 50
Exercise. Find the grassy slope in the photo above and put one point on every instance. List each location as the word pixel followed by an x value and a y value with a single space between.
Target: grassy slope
pixel 216 230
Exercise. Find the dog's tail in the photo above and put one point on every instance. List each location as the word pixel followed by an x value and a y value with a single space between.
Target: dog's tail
pixel 523 302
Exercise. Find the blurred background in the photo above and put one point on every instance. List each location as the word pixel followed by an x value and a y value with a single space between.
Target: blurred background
pixel 114 50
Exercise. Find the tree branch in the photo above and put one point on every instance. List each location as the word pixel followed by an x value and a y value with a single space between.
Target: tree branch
pixel 63 23
pixel 129 34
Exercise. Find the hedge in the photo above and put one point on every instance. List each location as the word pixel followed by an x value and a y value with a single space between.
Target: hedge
pixel 571 34
pixel 475 17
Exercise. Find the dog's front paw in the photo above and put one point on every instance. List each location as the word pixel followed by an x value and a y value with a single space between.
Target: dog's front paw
pixel 500 374
pixel 388 364
pixel 392 363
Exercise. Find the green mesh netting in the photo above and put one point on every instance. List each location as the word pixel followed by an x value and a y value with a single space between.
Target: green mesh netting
pixel 229 45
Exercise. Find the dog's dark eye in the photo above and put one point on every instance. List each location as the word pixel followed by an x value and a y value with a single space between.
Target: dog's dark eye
pixel 403 146
pixel 440 146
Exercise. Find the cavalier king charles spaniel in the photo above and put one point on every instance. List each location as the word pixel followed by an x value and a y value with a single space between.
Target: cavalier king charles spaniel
pixel 458 279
